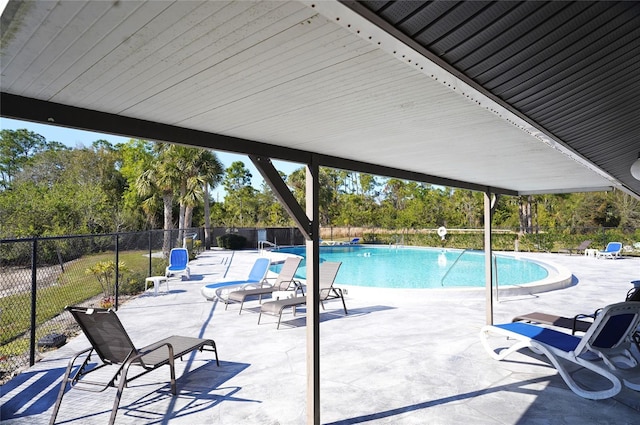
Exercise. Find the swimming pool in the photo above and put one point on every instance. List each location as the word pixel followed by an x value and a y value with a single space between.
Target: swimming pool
pixel 415 267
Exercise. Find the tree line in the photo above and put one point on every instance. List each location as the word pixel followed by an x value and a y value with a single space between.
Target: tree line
pixel 50 189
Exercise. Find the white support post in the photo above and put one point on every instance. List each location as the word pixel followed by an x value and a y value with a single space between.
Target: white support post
pixel 488 253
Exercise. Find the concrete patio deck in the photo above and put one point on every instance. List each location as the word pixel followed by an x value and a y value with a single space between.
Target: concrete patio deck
pixel 399 357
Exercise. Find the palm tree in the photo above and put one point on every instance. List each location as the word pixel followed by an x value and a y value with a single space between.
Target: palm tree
pixel 187 172
pixel 199 168
pixel 162 177
pixel 211 171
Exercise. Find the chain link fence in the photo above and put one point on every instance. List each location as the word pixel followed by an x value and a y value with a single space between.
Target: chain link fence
pixel 40 276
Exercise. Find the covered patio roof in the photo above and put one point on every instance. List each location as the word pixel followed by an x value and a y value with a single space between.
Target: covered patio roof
pixel 502 97
pixel 515 98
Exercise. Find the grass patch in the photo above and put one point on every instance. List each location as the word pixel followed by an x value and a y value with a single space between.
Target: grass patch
pixel 72 287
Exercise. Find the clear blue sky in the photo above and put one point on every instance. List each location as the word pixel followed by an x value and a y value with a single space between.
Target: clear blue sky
pixel 79 138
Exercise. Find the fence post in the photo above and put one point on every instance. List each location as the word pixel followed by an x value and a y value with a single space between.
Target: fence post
pixel 150 242
pixel 117 271
pixel 34 275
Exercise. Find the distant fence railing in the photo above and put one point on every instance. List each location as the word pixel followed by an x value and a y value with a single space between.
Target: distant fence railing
pixel 533 239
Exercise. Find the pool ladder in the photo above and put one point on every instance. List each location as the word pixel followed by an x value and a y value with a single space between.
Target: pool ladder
pixel 396 244
pixel 495 268
pixel 262 245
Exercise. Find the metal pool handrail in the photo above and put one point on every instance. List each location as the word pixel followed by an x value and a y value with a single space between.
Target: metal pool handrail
pixel 495 266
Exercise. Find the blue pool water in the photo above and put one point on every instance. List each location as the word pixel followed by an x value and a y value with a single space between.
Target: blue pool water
pixel 391 267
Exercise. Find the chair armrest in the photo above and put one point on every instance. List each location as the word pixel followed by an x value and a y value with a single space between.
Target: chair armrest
pixel 577 319
pixel 154 347
pixel 265 282
pixel 293 285
pixel 336 291
pixel 299 286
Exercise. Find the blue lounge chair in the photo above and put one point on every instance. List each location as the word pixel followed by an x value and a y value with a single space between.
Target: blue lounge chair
pixel 255 279
pixel 178 263
pixel 606 348
pixel 611 251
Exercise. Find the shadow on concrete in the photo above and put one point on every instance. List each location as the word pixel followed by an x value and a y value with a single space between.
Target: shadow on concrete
pixel 385 414
pixel 326 316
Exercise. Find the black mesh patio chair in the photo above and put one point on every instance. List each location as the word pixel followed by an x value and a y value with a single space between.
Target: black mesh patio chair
pixel 111 343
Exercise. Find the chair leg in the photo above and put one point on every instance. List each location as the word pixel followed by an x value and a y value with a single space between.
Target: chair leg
pixel 65 379
pixel 116 402
pixel 226 301
pixel 173 371
pixel 215 350
pixel 280 318
pixel 63 387
pixel 344 305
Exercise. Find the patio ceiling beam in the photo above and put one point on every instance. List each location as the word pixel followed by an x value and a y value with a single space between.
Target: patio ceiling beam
pixel 45 112
pixel 284 195
pixel 381 170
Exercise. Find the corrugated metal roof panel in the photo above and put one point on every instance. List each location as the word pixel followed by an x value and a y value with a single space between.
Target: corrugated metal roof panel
pixel 573 68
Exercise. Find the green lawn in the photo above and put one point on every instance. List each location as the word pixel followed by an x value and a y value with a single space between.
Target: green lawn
pixel 73 286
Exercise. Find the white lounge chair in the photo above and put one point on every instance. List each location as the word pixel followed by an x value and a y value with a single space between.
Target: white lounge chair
pixel 328 272
pixel 285 281
pixel 611 251
pixel 605 348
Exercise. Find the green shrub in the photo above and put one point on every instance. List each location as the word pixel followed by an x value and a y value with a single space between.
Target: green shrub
pixel 158 268
pixel 232 241
pixel 105 272
pixel 133 283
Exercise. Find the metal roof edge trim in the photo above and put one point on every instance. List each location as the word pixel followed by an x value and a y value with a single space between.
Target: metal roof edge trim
pixel 361 21
pixel 556 192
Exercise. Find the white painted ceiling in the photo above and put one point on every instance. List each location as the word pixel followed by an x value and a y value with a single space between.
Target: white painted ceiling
pixel 314 77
